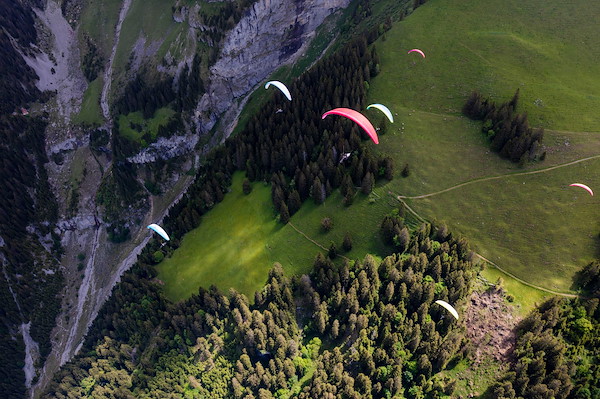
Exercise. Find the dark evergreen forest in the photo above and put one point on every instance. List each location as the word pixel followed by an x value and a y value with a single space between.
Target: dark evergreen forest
pixel 28 209
pixel 509 132
pixel 359 330
pixel 557 353
pixel 17 79
pixel 28 203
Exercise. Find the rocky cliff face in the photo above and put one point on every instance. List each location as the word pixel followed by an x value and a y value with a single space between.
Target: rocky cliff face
pixel 272 33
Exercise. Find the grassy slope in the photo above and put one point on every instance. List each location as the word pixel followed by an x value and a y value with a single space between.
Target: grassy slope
pixel 546 48
pixel 161 117
pixel 520 222
pixel 152 19
pixel 90 112
pixel 231 248
pixel 523 222
pixel 98 20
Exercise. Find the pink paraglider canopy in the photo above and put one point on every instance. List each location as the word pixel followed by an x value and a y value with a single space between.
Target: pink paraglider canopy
pixel 589 190
pixel 357 117
pixel 416 50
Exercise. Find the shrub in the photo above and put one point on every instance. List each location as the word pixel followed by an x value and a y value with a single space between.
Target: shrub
pixel 326 224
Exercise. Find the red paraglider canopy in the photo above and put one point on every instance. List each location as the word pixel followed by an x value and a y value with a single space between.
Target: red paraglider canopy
pixel 357 117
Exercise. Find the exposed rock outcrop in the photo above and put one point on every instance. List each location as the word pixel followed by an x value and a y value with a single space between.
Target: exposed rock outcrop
pixel 271 34
pixel 166 148
pixel 58 68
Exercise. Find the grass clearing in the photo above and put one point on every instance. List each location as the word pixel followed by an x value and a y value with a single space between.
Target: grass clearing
pixel 98 20
pixel 228 249
pixel 133 125
pixel 473 379
pixel 90 112
pixel 523 223
pixel 150 19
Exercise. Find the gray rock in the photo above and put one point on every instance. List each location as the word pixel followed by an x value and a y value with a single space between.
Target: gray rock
pixel 271 34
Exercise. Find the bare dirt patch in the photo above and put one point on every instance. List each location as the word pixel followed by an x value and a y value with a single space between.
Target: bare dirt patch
pixel 491 326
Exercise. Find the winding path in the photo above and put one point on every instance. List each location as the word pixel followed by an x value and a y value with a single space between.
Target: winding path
pixel 401 198
pixel 537 287
pixel 314 242
pixel 482 179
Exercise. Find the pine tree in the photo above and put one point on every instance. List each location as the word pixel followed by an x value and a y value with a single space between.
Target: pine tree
pixel 367 183
pixel 332 252
pixel 284 213
pixel 294 202
pixel 347 244
pixel 246 187
pixel 317 192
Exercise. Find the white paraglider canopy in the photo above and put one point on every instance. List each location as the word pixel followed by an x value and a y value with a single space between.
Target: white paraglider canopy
pixel 281 87
pixel 159 230
pixel 448 307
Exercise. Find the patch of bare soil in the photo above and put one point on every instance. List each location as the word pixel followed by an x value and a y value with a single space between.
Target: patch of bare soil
pixel 491 326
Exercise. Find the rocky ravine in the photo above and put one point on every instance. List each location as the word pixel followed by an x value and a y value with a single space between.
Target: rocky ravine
pixel 271 33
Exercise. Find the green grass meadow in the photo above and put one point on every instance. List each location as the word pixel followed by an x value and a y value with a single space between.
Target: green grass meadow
pixel 228 249
pixel 161 117
pixel 545 48
pixel 90 112
pixel 524 223
pixel 151 18
pixel 98 20
pixel 532 225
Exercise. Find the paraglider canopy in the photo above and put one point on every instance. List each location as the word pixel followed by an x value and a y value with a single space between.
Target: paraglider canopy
pixel 416 50
pixel 589 190
pixel 357 117
pixel 159 230
pixel 281 87
pixel 386 111
pixel 448 307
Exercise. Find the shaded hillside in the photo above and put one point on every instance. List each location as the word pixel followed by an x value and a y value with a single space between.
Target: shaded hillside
pixel 30 248
pixel 17 79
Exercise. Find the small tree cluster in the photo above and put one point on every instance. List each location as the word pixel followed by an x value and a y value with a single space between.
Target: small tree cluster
pixel 508 131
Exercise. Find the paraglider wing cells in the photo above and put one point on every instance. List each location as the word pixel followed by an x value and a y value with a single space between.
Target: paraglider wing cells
pixel 357 117
pixel 416 50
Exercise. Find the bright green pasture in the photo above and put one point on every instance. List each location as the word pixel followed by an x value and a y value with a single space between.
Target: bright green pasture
pixel 228 249
pixel 523 222
pixel 547 48
pixel 534 226
pixel 238 241
pixel 90 112
pixel 161 117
